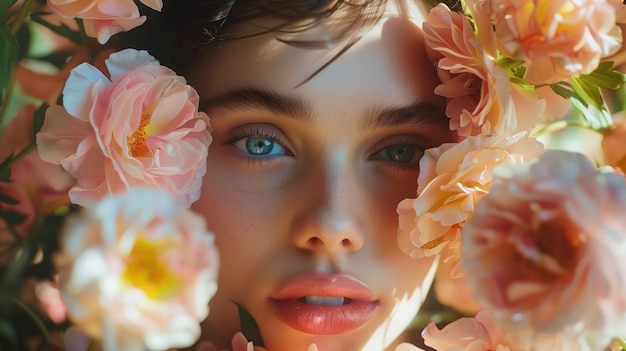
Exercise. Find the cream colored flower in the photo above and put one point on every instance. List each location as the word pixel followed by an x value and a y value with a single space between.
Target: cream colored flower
pixel 453 177
pixel 544 252
pixel 137 271
pixel 104 18
pixel 555 38
pixel 140 128
pixel 481 97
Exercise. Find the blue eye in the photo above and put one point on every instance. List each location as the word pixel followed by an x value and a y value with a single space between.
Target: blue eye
pixel 260 146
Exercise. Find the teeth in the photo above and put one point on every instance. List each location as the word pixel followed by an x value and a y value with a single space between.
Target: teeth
pixel 324 300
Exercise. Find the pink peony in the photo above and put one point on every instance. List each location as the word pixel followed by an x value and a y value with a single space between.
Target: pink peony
pixel 143 128
pixel 104 18
pixel 137 271
pixel 481 97
pixel 480 333
pixel 452 179
pixel 555 38
pixel 544 251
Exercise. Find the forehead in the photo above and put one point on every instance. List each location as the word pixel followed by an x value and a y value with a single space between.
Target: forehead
pixel 388 61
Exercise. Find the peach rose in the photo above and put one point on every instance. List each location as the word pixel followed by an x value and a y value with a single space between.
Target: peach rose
pixel 137 271
pixel 481 97
pixel 480 333
pixel 143 128
pixel 556 39
pixel 614 146
pixel 104 18
pixel 544 252
pixel 451 289
pixel 452 179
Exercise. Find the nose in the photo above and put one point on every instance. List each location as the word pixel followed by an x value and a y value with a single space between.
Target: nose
pixel 331 221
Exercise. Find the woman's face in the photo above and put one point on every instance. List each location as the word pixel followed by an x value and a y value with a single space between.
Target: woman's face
pixel 303 181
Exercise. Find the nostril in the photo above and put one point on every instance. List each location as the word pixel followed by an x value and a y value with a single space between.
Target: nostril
pixel 314 241
pixel 346 243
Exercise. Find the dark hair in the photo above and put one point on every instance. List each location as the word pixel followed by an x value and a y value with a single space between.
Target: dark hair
pixel 183 30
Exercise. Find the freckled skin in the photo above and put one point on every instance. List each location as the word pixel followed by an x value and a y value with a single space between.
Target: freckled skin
pixel 326 204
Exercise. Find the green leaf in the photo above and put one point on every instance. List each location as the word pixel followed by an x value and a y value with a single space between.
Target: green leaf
pixel 249 328
pixel 12 217
pixel 8 335
pixel 8 199
pixel 4 8
pixel 605 77
pixel 61 29
pixel 8 59
pixel 562 90
pixel 5 170
pixel 38 118
pixel 588 92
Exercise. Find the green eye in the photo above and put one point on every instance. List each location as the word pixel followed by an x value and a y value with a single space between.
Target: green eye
pixel 399 153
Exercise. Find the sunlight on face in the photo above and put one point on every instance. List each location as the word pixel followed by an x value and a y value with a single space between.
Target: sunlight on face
pixel 303 181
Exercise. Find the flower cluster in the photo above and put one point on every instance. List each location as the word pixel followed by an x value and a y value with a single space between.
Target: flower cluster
pixel 96 229
pixel 103 151
pixel 532 235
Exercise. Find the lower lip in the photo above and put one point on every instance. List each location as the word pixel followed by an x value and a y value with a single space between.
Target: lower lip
pixel 323 319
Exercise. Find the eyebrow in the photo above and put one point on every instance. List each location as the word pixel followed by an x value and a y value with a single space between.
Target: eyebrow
pixel 253 98
pixel 420 114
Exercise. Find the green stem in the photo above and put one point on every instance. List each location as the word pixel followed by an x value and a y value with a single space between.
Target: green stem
pixel 621 342
pixel 558 125
pixel 21 17
pixel 7 100
pixel 22 154
pixel 34 317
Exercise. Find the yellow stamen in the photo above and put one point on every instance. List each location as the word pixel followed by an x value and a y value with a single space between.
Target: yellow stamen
pixel 137 141
pixel 146 270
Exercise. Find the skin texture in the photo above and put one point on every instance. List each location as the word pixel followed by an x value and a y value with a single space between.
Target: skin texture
pixel 324 198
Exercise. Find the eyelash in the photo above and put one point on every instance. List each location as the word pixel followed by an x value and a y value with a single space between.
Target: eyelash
pixel 401 140
pixel 255 131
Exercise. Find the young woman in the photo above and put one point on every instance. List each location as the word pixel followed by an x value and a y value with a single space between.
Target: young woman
pixel 320 112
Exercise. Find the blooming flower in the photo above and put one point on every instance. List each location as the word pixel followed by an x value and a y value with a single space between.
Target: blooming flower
pixel 141 128
pixel 480 333
pixel 555 38
pixel 137 271
pixel 544 250
pixel 452 179
pixel 481 97
pixel 104 18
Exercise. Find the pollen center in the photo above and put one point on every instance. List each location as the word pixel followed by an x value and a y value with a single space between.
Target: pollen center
pixel 137 141
pixel 146 270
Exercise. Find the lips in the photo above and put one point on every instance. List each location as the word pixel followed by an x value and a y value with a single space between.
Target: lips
pixel 324 304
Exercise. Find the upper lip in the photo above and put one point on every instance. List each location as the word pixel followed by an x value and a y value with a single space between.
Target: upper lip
pixel 328 285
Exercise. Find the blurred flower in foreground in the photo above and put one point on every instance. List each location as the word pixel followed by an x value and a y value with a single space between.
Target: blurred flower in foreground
pixel 452 179
pixel 480 333
pixel 104 18
pixel 137 271
pixel 141 128
pixel 544 253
